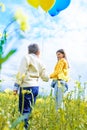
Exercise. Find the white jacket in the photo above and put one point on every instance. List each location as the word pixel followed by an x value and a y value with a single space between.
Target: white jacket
pixel 33 69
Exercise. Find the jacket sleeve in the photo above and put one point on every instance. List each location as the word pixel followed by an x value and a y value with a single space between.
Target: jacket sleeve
pixel 58 69
pixel 43 73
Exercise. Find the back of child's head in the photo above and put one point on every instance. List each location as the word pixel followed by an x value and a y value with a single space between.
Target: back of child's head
pixel 33 48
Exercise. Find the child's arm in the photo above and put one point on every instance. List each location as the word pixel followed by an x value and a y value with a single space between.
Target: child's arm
pixel 43 73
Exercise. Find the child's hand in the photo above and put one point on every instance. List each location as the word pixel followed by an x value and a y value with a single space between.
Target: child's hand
pixel 15 92
pixel 50 77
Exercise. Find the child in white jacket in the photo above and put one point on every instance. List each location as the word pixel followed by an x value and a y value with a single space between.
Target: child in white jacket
pixel 31 68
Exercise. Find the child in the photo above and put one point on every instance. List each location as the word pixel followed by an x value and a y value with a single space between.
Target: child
pixel 60 77
pixel 31 68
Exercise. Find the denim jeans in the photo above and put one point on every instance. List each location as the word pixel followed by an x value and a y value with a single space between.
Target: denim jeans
pixel 60 86
pixel 26 101
pixel 62 82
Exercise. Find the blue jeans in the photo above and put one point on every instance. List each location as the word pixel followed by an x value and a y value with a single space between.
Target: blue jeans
pixel 62 82
pixel 25 105
pixel 59 91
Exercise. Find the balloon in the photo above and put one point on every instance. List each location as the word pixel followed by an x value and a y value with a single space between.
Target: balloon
pixel 46 4
pixel 34 3
pixel 62 4
pixel 53 12
pixel 59 6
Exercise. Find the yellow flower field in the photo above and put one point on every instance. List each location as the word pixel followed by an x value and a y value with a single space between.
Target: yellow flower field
pixel 72 115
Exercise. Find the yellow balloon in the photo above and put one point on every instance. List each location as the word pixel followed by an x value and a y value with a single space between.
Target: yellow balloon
pixel 46 5
pixel 34 3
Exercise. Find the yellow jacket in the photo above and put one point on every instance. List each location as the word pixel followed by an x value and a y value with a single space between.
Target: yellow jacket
pixel 60 70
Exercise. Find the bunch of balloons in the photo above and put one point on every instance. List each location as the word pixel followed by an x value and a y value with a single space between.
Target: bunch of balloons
pixel 53 7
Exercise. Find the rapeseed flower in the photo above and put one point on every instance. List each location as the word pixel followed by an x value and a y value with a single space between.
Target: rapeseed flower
pixel 22 19
pixel 2 6
pixel 39 101
pixel 0 34
pixel 7 90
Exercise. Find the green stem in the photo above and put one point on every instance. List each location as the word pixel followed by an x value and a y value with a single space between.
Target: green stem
pixel 22 102
pixel 8 25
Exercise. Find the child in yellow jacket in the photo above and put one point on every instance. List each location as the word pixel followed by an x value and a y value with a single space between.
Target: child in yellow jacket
pixel 60 77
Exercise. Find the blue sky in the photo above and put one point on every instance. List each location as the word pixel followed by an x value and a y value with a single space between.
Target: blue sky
pixel 67 30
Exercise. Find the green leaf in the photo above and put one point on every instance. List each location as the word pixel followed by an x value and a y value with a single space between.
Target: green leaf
pixel 2 41
pixel 19 119
pixel 10 53
pixel 1 50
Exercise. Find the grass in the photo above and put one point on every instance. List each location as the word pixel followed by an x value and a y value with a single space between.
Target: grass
pixel 71 116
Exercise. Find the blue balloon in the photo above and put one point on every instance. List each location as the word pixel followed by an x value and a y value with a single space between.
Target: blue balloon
pixel 59 6
pixel 53 11
pixel 62 4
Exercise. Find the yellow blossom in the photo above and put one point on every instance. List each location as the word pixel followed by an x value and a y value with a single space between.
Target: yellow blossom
pixel 40 100
pixel 19 15
pixel 7 90
pixel 5 128
pixel 24 26
pixel 37 113
pixel 24 91
pixel 0 34
pixel 22 19
pixel 2 7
